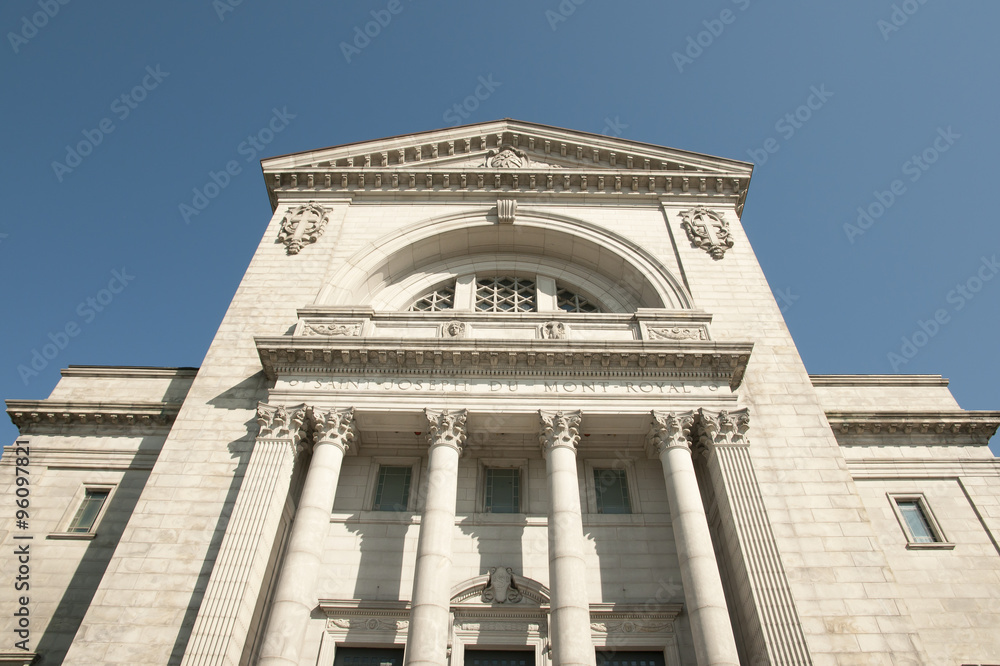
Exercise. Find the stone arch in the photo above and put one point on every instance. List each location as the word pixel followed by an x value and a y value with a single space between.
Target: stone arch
pixel 472 589
pixel 637 277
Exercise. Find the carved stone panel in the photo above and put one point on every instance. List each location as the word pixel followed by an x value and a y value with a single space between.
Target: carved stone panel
pixel 707 230
pixel 302 226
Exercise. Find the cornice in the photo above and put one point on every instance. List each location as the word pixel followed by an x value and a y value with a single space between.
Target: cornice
pixel 980 424
pixel 37 415
pixel 706 360
pixel 432 163
pixel 878 380
pixel 132 372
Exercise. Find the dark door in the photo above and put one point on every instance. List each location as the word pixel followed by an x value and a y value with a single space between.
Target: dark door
pixel 499 657
pixel 368 657
pixel 630 658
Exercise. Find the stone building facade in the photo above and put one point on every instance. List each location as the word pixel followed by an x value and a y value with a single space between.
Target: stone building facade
pixel 507 394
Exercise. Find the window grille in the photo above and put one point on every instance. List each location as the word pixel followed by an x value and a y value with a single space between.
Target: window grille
pixel 436 301
pixel 572 302
pixel 505 294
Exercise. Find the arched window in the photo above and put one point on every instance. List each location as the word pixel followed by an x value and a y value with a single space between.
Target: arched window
pixel 505 294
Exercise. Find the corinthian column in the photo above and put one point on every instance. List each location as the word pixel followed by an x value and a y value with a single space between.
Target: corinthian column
pixel 569 617
pixel 704 599
pixel 295 596
pixel 430 605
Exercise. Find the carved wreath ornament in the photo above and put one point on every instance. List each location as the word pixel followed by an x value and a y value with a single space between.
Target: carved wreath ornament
pixel 302 226
pixel 708 230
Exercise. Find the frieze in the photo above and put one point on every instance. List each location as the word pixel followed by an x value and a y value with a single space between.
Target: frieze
pixel 333 329
pixel 676 333
pixel 367 624
pixel 630 627
pixel 497 625
pixel 487 387
pixel 639 361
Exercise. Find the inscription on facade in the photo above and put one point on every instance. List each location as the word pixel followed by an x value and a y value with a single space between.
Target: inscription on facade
pixel 530 386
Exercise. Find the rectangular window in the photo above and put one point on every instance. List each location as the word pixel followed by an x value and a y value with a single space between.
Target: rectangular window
pixel 916 521
pixel 90 508
pixel 393 490
pixel 503 492
pixel 611 491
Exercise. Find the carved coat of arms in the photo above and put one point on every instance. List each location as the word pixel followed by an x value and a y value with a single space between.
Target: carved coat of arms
pixel 302 226
pixel 507 157
pixel 708 230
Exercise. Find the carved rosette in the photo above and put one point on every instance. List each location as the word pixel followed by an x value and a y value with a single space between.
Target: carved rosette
pixel 671 430
pixel 447 427
pixel 560 429
pixel 724 428
pixel 506 210
pixel 280 422
pixel 454 329
pixel 334 426
pixel 707 230
pixel 302 226
pixel 500 587
pixel 553 330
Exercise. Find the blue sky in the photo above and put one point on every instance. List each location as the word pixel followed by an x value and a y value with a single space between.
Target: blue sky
pixel 889 107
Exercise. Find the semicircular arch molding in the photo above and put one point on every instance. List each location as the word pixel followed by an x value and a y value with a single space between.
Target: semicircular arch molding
pixel 621 270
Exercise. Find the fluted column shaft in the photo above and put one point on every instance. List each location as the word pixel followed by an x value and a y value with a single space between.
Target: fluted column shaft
pixel 569 616
pixel 295 596
pixel 430 605
pixel 704 598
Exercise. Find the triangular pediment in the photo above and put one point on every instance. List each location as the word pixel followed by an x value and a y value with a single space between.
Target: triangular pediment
pixel 533 146
pixel 507 156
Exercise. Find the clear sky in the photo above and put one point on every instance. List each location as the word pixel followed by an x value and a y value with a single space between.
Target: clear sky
pixel 116 112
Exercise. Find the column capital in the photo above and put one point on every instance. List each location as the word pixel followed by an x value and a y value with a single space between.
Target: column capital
pixel 724 428
pixel 560 429
pixel 446 427
pixel 670 430
pixel 333 426
pixel 277 422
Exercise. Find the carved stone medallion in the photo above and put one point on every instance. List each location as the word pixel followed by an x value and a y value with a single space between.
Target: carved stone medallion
pixel 302 226
pixel 707 230
pixel 507 157
pixel 501 588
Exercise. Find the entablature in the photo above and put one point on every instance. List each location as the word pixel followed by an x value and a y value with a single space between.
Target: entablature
pixel 929 427
pixel 700 360
pixel 41 415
